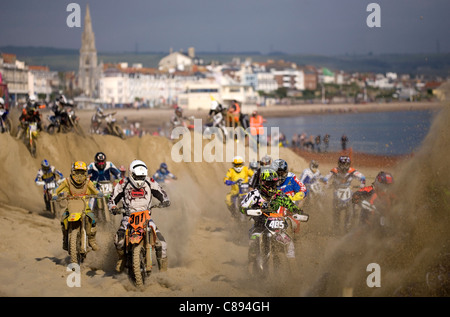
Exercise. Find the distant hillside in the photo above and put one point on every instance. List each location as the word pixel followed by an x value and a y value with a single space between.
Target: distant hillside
pixel 59 59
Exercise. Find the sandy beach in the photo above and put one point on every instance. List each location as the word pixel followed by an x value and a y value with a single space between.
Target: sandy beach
pixel 207 254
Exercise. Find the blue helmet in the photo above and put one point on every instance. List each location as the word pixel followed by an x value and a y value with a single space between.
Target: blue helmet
pixel 163 165
pixel 45 165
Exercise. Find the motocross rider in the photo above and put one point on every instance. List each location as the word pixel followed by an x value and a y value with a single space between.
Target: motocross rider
pixel 342 177
pixel 78 184
pixel 374 197
pixel 136 192
pixel 96 120
pixel 4 114
pixel 47 174
pixel 311 174
pixel 30 113
pixel 162 173
pixel 60 111
pixel 265 161
pixel 290 185
pixel 101 169
pixel 234 174
pixel 178 119
pixel 267 196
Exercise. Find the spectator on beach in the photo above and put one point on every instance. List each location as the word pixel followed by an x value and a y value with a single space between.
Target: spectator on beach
pixel 344 140
pixel 295 140
pixel 302 140
pixel 318 142
pixel 326 142
pixel 309 145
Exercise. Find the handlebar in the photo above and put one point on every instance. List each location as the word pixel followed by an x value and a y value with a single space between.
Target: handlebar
pixel 127 212
pixel 70 197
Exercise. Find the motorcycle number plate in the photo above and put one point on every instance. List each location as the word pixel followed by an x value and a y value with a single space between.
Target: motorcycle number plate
pixel 106 188
pixel 275 223
pixel 50 185
pixel 138 219
pixel 344 193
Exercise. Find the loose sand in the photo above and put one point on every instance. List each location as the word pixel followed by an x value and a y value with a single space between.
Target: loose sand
pixel 207 256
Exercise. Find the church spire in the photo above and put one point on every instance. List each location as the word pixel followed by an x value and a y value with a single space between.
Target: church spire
pixel 88 71
pixel 88 37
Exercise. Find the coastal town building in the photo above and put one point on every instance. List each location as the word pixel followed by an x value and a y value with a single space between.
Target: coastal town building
pixel 15 74
pixel 42 82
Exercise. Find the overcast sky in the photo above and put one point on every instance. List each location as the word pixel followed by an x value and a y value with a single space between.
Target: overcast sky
pixel 327 27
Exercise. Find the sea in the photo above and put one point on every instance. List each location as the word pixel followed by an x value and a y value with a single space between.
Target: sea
pixel 381 133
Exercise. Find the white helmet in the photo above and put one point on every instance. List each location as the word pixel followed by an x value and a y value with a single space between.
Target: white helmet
pixel 238 163
pixel 214 105
pixel 2 102
pixel 138 173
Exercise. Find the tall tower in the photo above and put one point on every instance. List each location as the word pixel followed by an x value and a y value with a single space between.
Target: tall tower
pixel 88 72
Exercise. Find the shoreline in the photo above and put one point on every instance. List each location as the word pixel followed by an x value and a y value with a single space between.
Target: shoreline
pixel 151 119
pixel 305 109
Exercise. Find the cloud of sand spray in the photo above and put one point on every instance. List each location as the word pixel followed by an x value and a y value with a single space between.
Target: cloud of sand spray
pixel 419 221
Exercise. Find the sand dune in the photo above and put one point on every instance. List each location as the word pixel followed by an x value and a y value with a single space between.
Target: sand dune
pixel 207 257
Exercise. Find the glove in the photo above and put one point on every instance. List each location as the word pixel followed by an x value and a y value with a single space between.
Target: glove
pixel 114 210
pixel 265 205
pixel 228 182
pixel 40 183
pixel 165 203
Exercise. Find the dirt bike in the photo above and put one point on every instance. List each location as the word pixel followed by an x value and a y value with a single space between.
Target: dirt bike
pixel 30 137
pixel 216 125
pixel 140 239
pixel 237 200
pixel 49 190
pixel 5 122
pixel 112 128
pixel 273 240
pixel 101 208
pixel 57 125
pixel 77 226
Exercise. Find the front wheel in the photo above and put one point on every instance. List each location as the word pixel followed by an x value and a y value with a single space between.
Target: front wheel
pixel 52 129
pixel 138 266
pixel 75 242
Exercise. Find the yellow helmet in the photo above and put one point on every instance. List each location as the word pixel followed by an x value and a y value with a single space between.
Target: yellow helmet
pixel 79 172
pixel 238 163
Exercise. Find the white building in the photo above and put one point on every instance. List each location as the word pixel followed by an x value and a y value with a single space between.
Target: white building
pixel 175 61
pixel 42 81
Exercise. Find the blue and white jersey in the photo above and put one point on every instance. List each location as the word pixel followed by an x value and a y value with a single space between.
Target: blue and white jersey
pixel 308 177
pixel 161 175
pixel 97 175
pixel 52 175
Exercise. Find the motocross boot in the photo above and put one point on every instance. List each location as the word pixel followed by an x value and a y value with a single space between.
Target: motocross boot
pixel 162 262
pixel 91 239
pixel 120 262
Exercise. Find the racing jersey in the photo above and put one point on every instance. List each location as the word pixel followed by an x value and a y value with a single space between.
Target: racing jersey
pixel 137 199
pixel 293 188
